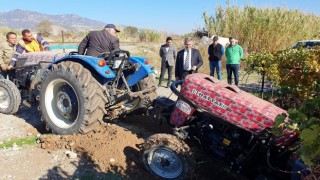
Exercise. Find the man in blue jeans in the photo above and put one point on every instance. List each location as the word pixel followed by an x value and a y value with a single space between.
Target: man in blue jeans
pixel 215 52
pixel 234 53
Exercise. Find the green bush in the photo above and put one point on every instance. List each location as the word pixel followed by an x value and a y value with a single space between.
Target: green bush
pixel 304 120
pixel 295 71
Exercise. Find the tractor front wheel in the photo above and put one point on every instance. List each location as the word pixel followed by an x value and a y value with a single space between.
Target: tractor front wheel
pixel 10 97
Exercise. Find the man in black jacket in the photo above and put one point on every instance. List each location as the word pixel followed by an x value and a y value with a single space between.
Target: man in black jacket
pixel 188 61
pixel 216 52
pixel 98 42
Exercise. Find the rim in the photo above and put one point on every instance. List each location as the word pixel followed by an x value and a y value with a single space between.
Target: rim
pixel 165 163
pixel 4 98
pixel 61 103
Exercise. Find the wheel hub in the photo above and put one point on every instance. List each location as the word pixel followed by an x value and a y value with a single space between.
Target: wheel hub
pixel 165 163
pixel 64 104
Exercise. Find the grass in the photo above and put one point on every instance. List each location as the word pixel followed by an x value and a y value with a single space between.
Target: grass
pixel 19 142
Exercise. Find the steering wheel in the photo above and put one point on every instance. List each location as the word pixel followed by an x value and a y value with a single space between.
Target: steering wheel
pixel 117 53
pixel 73 53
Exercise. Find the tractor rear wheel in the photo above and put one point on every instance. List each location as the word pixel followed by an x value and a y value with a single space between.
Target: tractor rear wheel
pixel 71 100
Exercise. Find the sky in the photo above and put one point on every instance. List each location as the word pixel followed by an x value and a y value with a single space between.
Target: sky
pixel 172 16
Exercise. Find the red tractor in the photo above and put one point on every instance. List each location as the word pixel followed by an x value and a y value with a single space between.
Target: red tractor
pixel 223 121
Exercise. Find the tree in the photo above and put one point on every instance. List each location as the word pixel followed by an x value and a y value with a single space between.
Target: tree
pixel 44 27
pixel 131 31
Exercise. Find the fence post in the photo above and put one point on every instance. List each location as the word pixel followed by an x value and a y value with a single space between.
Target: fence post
pixel 62 37
pixel 262 84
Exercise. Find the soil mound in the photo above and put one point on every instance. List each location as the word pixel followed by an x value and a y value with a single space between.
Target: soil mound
pixel 110 148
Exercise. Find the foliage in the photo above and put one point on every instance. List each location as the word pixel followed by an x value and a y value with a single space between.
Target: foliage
pixel 44 27
pixel 295 71
pixel 306 122
pixel 131 31
pixel 146 35
pixel 262 30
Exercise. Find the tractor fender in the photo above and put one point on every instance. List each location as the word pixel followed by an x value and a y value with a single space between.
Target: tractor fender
pixel 143 71
pixel 89 62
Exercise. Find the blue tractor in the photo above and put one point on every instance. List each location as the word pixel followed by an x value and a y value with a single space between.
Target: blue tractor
pixel 76 92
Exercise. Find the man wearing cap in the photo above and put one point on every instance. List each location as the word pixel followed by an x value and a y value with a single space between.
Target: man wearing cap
pixel 98 42
pixel 215 52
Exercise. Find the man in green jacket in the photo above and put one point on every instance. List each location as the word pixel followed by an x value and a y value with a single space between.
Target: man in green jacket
pixel 234 53
pixel 7 50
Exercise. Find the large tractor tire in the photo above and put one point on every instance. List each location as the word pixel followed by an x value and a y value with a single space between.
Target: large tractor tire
pixel 139 104
pixel 71 100
pixel 10 97
pixel 167 157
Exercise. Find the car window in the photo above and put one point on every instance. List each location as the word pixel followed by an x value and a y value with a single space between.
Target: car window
pixel 298 44
pixel 316 43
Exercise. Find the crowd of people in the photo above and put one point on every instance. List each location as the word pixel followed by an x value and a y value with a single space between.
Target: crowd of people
pixel 185 62
pixel 189 60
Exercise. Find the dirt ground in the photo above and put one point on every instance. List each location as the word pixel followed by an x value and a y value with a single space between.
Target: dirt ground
pixel 109 152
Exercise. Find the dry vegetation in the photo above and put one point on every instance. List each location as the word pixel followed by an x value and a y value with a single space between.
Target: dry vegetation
pixel 263 30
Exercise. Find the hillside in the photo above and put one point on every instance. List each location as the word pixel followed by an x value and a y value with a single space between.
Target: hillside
pixel 21 19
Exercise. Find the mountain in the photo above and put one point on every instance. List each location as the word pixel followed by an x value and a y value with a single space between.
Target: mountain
pixel 23 19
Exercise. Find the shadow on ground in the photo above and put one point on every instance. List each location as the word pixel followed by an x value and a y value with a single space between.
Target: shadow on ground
pixel 32 116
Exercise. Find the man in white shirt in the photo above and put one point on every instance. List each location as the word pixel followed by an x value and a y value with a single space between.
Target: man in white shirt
pixel 188 61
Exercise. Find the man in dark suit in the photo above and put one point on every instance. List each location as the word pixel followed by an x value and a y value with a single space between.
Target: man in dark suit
pixel 188 61
pixel 168 54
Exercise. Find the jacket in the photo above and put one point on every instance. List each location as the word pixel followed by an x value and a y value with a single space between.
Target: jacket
pixel 215 52
pixel 97 42
pixel 169 56
pixel 6 52
pixel 234 54
pixel 196 60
